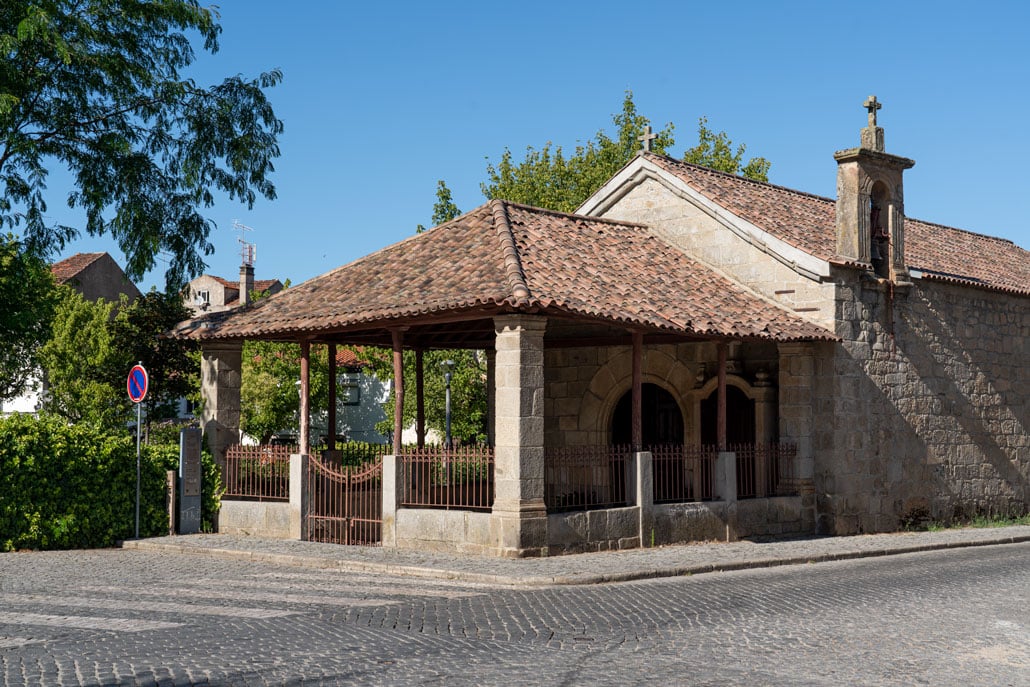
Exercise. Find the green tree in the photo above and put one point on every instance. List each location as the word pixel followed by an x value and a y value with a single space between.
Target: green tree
pixel 77 361
pixel 547 178
pixel 715 150
pixel 269 386
pixel 27 300
pixel 138 332
pixel 93 345
pixel 95 87
pixel 468 391
pixel 444 209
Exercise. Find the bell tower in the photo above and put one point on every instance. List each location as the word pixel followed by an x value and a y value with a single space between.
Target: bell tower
pixel 870 203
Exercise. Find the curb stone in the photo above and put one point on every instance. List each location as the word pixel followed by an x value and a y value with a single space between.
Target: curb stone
pixel 639 572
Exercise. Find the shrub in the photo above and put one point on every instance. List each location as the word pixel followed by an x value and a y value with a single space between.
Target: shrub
pixel 74 486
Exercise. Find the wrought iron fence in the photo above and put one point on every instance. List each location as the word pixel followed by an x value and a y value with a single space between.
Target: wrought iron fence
pixel 683 473
pixel 766 470
pixel 345 503
pixel 257 473
pixel 586 477
pixel 460 478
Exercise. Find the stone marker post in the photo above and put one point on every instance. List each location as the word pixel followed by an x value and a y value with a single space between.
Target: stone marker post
pixel 189 481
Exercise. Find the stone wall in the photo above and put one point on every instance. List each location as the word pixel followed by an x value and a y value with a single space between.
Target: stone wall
pixel 593 530
pixel 453 531
pixel 928 397
pixel 583 385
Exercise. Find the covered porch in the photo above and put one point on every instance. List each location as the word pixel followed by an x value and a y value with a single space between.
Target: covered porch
pixel 634 397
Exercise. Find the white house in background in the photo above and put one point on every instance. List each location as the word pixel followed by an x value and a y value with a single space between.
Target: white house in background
pixel 97 277
pixel 359 401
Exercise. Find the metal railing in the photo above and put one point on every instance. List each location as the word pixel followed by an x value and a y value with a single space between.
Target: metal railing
pixel 683 473
pixel 586 477
pixel 345 503
pixel 766 470
pixel 460 478
pixel 257 473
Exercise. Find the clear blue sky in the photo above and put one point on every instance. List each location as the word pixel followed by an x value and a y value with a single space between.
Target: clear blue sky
pixel 380 100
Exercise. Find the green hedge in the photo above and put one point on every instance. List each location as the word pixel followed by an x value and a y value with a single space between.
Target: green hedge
pixel 74 486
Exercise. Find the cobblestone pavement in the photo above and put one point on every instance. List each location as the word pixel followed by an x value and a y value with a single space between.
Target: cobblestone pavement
pixel 125 617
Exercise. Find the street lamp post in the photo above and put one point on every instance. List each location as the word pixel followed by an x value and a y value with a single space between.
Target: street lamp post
pixel 448 368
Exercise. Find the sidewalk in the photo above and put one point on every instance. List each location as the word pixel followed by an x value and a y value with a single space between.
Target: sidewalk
pixel 585 568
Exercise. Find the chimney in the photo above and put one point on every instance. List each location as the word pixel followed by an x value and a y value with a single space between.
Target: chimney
pixel 246 283
pixel 870 219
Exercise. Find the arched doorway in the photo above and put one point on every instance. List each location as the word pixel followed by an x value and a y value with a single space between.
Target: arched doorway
pixel 661 419
pixel 740 417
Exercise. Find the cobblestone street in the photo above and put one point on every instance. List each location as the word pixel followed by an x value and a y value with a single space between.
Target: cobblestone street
pixel 125 617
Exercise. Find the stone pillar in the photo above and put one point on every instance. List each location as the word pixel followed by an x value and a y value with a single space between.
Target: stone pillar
pixel 726 476
pixel 643 484
pixel 299 496
pixel 220 389
pixel 797 404
pixel 765 433
pixel 519 518
pixel 391 480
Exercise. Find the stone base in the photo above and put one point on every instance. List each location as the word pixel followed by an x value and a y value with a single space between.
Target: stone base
pixel 256 518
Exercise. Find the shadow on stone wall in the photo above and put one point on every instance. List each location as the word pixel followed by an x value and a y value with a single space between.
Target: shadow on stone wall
pixel 970 371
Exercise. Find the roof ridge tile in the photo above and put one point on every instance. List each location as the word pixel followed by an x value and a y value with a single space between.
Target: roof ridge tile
pixel 512 265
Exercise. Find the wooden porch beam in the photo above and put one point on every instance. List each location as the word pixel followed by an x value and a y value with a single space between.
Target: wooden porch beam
pixel 398 387
pixel 637 419
pixel 720 426
pixel 305 398
pixel 420 398
pixel 331 429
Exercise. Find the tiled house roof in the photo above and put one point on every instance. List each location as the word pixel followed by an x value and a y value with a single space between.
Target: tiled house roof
pixel 807 222
pixel 70 267
pixel 259 285
pixel 504 257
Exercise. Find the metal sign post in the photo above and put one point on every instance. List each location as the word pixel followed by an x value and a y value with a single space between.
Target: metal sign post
pixel 137 388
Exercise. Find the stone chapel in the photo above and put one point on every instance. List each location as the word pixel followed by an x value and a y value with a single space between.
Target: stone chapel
pixel 773 362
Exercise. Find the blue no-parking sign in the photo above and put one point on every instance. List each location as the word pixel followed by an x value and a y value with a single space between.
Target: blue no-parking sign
pixel 137 383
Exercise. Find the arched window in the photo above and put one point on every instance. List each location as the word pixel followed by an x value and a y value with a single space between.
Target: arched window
pixel 661 419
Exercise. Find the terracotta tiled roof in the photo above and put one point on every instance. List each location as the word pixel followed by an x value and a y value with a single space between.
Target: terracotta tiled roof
pixel 807 222
pixel 70 267
pixel 504 257
pixel 259 284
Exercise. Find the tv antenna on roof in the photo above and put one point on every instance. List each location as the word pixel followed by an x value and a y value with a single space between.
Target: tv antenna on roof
pixel 248 250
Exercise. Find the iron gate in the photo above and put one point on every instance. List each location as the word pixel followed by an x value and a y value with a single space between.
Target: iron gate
pixel 345 503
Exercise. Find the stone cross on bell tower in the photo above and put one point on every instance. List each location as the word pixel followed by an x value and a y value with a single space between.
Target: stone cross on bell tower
pixel 872 135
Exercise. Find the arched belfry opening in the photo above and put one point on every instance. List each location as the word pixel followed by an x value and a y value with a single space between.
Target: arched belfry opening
pixel 661 418
pixel 879 229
